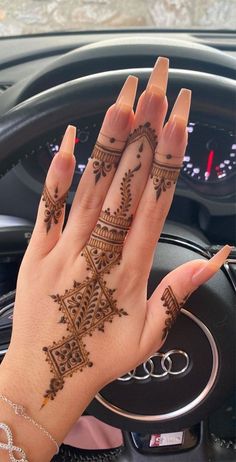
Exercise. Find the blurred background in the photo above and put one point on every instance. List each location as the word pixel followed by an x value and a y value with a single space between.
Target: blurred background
pixel 18 17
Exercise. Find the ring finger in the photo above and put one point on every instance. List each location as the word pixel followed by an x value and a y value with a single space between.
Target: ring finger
pixel 158 194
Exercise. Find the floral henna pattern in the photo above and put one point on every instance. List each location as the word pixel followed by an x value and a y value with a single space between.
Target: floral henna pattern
pixel 163 176
pixel 142 133
pixel 53 207
pixel 173 308
pixel 105 158
pixel 88 305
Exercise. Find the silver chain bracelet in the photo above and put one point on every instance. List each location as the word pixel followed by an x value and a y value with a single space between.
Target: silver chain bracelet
pixel 10 447
pixel 21 411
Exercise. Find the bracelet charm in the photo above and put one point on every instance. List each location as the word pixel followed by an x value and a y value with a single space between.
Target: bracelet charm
pixel 9 446
pixel 18 409
pixel 21 412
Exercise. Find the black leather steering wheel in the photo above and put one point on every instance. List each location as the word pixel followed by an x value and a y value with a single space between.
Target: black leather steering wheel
pixel 206 329
pixel 120 53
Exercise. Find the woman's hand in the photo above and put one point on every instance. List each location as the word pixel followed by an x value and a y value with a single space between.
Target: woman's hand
pixel 81 301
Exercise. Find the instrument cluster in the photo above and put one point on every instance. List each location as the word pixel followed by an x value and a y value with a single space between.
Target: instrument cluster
pixel 209 164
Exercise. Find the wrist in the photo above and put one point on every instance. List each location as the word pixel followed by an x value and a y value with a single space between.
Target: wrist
pixel 24 386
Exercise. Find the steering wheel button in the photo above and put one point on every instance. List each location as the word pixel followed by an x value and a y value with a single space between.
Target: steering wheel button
pixel 166 439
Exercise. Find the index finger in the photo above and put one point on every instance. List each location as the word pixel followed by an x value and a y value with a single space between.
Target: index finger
pixel 102 165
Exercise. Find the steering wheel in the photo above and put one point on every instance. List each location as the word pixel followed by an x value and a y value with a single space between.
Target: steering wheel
pixel 205 331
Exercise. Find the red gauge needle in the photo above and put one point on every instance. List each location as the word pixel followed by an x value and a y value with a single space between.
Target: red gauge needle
pixel 209 163
pixel 77 140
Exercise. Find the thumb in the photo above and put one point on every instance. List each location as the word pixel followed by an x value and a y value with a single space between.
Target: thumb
pixel 170 296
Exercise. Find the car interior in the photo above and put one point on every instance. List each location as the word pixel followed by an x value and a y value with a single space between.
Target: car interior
pixel 179 406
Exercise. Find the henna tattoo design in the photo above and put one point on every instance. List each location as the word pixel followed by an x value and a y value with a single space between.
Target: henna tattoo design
pixel 173 309
pixel 111 138
pixel 108 157
pixel 163 176
pixel 142 133
pixel 125 190
pixel 104 247
pixel 168 156
pixel 53 207
pixel 105 158
pixel 87 306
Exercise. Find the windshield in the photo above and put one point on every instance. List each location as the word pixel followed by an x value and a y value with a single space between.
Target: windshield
pixel 20 17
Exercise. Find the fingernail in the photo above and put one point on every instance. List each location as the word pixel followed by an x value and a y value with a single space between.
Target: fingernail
pixel 68 142
pixel 174 130
pixel 169 128
pixel 128 92
pixel 212 266
pixel 119 117
pixel 182 104
pixel 159 76
pixel 152 99
pixel 120 112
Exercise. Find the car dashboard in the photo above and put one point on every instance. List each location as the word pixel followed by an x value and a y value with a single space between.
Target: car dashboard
pixel 206 187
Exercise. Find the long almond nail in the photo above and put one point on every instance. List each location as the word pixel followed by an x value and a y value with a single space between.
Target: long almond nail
pixel 68 142
pixel 212 266
pixel 159 77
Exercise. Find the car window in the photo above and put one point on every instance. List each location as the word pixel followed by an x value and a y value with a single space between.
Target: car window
pixel 19 17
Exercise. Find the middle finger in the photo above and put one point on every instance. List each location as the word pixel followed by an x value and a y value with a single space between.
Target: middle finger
pixel 132 174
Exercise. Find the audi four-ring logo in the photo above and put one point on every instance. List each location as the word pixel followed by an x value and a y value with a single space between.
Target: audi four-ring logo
pixel 166 364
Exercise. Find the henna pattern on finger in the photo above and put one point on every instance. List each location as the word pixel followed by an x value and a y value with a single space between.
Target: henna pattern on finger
pixel 111 138
pixel 169 156
pixel 105 158
pixel 87 306
pixel 163 176
pixel 105 245
pixel 53 206
pixel 173 308
pixel 142 133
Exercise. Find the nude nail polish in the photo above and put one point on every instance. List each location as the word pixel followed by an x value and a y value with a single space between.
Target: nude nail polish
pixel 159 77
pixel 182 104
pixel 169 128
pixel 156 87
pixel 212 266
pixel 128 92
pixel 120 113
pixel 64 159
pixel 174 130
pixel 68 142
pixel 151 101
